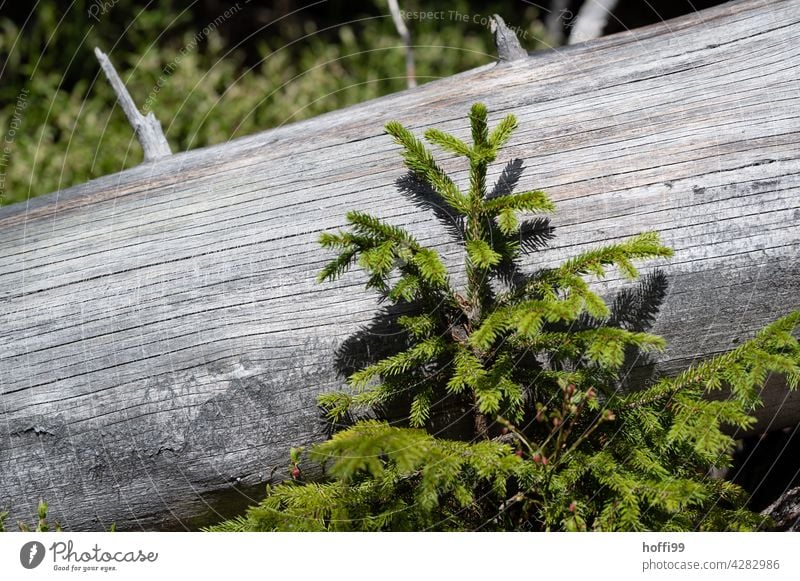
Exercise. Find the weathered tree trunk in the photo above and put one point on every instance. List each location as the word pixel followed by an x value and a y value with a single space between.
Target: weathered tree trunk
pixel 162 340
pixel 785 512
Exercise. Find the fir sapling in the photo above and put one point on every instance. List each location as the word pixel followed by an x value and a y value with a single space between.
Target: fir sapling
pixel 559 438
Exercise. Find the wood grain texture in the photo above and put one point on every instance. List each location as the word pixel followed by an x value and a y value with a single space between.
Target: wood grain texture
pixel 161 336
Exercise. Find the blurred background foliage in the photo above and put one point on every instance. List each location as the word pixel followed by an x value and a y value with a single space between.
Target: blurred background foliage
pixel 215 70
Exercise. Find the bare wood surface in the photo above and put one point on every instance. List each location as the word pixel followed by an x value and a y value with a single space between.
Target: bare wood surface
pixel 161 336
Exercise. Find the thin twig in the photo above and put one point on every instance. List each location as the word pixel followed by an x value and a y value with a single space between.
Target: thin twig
pixel 402 30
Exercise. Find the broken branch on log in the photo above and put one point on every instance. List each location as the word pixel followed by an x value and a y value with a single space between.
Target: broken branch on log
pixel 146 127
pixel 507 43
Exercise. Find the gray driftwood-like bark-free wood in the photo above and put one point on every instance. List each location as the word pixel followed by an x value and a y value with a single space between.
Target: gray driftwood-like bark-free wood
pixel 162 340
pixel 146 127
pixel 506 42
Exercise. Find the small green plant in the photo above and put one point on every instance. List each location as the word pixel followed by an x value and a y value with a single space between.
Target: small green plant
pixel 41 525
pixel 557 438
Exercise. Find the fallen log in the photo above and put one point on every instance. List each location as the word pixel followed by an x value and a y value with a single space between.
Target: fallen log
pixel 162 337
pixel 785 512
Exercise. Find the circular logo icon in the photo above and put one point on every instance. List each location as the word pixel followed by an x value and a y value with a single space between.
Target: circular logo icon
pixel 31 554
